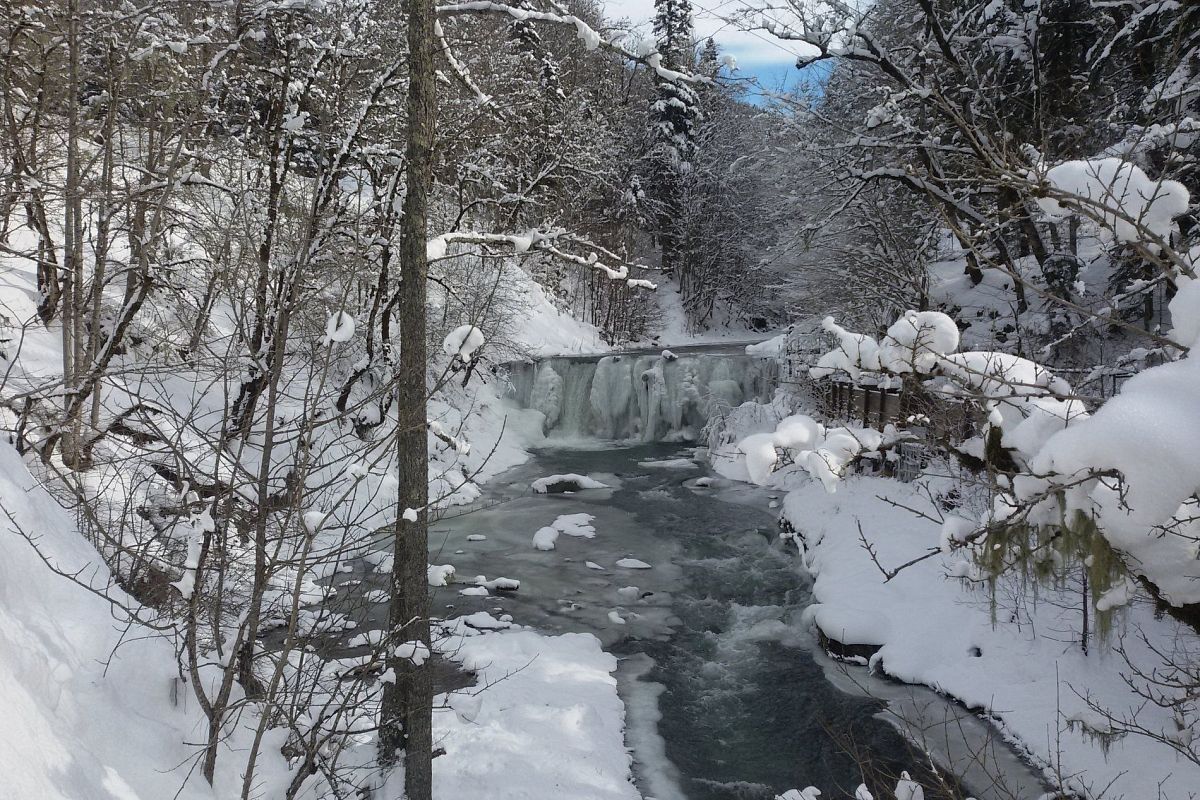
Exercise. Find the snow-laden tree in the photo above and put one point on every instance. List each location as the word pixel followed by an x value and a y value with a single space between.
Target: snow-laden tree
pixel 674 114
pixel 948 133
pixel 732 209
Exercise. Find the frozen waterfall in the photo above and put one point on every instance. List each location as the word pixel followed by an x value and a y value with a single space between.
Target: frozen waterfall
pixel 640 396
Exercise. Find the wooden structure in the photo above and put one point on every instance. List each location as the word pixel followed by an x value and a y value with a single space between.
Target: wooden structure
pixel 871 406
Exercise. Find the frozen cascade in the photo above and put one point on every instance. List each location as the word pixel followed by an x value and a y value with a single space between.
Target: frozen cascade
pixel 640 396
pixel 547 393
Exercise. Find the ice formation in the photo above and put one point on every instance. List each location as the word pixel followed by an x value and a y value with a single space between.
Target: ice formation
pixel 648 397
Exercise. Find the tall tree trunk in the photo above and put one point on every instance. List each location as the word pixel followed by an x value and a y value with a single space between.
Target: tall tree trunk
pixel 72 247
pixel 407 713
pixel 103 219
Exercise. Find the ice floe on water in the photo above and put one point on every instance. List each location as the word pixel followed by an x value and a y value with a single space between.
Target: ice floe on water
pixel 575 525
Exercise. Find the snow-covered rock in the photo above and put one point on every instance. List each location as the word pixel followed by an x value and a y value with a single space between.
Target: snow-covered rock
pixel 544 538
pixel 440 574
pixel 553 484
pixel 575 525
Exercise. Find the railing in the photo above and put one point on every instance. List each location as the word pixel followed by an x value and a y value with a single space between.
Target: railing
pixel 929 416
pixel 876 406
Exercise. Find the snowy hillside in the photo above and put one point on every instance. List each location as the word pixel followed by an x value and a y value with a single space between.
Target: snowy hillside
pixel 94 709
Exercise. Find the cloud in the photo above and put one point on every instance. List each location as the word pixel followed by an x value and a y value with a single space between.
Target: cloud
pixel 752 48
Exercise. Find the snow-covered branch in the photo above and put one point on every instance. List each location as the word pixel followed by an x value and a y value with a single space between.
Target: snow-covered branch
pixel 590 37
pixel 537 241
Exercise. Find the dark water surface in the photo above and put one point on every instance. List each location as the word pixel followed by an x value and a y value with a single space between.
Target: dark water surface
pixel 746 711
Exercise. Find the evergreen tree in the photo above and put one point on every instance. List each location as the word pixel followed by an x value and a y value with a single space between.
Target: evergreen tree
pixel 673 31
pixel 710 59
pixel 674 115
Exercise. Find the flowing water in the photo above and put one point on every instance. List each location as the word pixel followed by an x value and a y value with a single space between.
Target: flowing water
pixel 728 697
pixel 712 639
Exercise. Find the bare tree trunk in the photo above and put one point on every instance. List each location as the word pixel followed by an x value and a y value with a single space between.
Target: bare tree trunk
pixel 407 712
pixel 204 312
pixel 1014 208
pixel 72 246
pixel 49 288
pixel 103 220
pixel 1087 602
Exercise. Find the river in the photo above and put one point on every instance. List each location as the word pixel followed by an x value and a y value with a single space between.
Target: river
pixel 728 695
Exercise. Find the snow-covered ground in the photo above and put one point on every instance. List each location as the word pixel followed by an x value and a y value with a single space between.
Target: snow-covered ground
pixel 98 720
pixel 673 329
pixel 545 720
pixel 1019 661
pixel 546 330
pixel 92 710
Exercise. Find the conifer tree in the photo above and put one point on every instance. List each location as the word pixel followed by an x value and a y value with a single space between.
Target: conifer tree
pixel 674 115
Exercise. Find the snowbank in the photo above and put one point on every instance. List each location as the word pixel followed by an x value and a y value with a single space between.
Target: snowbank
pixel 934 629
pixel 546 330
pixel 549 723
pixel 775 346
pixel 674 329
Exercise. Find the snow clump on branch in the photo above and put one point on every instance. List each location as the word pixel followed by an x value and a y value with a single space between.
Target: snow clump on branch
pixel 463 341
pixel 915 342
pixel 823 452
pixel 339 328
pixel 1119 195
pixel 855 353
